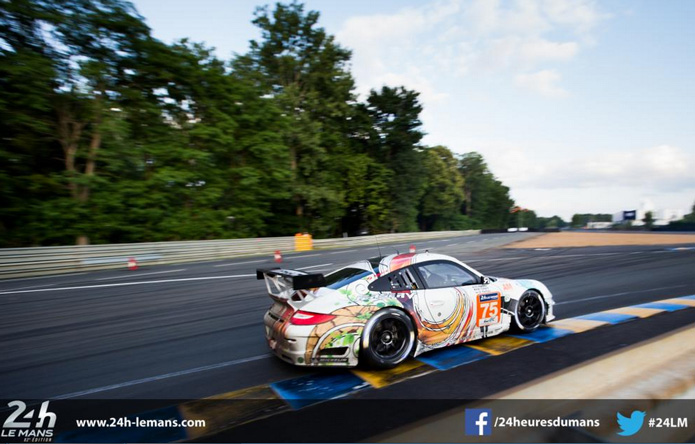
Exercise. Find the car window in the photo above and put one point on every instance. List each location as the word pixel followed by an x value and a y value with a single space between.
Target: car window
pixel 445 274
pixel 346 276
pixel 400 280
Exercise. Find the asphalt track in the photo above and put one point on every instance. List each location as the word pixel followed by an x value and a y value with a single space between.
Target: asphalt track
pixel 195 330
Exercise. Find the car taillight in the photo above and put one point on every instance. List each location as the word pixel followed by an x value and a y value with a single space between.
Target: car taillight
pixel 308 318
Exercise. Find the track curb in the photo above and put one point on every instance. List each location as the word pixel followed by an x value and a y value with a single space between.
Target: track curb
pixel 300 392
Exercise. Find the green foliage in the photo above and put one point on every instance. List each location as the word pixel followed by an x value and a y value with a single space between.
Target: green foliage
pixel 393 141
pixel 487 200
pixel 306 73
pixel 690 218
pixel 685 224
pixel 524 218
pixel 550 222
pixel 443 195
pixel 110 135
pixel 648 220
pixel 581 220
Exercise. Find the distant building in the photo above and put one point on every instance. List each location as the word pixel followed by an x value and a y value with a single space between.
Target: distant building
pixel 599 225
pixel 624 216
pixel 636 217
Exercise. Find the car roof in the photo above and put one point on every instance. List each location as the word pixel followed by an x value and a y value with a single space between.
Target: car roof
pixel 395 261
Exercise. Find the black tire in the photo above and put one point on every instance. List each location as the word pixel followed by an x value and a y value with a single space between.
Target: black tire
pixel 387 339
pixel 530 312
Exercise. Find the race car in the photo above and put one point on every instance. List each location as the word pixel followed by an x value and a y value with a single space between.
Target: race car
pixel 380 311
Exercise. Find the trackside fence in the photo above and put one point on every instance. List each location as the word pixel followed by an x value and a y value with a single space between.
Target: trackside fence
pixel 36 261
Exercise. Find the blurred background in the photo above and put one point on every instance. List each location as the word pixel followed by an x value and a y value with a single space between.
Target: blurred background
pixel 141 122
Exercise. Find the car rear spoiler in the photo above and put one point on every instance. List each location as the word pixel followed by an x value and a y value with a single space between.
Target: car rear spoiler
pixel 299 279
pixel 290 285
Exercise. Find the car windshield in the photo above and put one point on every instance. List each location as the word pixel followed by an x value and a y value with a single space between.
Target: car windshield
pixel 346 276
pixel 445 274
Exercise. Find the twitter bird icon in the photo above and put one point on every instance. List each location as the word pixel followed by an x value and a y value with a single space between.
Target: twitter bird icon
pixel 631 425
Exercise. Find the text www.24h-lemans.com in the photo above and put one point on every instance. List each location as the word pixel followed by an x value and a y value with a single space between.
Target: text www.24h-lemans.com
pixel 140 422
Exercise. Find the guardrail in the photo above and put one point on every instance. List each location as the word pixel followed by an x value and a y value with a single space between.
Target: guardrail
pixel 387 239
pixel 36 261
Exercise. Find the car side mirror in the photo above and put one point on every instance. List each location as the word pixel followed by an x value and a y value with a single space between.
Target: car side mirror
pixel 486 280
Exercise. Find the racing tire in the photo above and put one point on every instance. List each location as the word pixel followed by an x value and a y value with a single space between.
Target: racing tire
pixel 387 339
pixel 530 312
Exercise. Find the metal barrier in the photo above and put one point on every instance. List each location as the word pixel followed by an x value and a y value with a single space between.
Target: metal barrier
pixel 387 239
pixel 36 261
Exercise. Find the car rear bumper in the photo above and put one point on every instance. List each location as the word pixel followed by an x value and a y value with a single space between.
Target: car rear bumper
pixel 549 315
pixel 296 344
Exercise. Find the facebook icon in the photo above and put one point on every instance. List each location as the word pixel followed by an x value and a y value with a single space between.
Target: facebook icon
pixel 478 422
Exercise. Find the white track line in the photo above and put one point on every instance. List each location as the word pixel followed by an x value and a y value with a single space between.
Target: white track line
pixel 241 263
pixel 33 286
pixel 341 251
pixel 130 283
pixel 141 274
pixel 618 294
pixel 160 377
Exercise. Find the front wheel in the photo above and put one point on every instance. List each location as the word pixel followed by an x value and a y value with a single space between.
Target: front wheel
pixel 530 311
pixel 387 339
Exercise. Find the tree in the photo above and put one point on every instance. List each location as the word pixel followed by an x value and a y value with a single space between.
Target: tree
pixel 690 217
pixel 443 195
pixel 306 72
pixel 487 200
pixel 523 217
pixel 105 36
pixel 551 222
pixel 110 135
pixel 27 82
pixel 648 220
pixel 395 114
pixel 83 66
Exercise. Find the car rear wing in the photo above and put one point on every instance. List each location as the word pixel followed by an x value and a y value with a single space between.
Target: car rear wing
pixel 290 285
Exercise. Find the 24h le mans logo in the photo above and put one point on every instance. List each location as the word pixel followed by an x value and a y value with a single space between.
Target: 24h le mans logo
pixel 21 426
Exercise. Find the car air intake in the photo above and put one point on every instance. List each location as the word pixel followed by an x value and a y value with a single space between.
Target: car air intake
pixel 335 351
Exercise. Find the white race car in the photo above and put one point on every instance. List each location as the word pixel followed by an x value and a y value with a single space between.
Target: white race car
pixel 380 311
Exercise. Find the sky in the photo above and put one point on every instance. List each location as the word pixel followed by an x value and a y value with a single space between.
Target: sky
pixel 578 106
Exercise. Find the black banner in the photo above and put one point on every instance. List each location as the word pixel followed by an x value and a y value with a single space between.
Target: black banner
pixel 348 420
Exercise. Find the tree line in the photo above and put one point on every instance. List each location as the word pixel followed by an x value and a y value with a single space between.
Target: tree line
pixel 110 135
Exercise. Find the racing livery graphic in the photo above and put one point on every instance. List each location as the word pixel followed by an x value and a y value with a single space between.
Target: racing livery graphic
pixel 378 312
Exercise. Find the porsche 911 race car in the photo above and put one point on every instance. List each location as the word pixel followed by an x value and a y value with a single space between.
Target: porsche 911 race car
pixel 378 312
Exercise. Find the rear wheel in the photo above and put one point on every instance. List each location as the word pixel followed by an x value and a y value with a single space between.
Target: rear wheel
pixel 387 339
pixel 530 311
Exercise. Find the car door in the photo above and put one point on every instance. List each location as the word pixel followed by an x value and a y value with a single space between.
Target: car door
pixel 456 303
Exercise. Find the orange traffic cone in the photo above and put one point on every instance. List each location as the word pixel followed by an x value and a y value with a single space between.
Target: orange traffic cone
pixel 278 256
pixel 132 263
pixel 412 248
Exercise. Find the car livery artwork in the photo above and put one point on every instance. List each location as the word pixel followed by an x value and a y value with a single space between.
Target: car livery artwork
pixel 489 309
pixel 386 309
